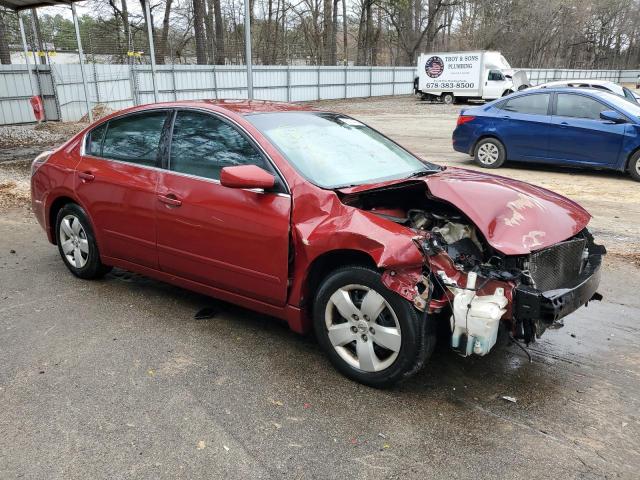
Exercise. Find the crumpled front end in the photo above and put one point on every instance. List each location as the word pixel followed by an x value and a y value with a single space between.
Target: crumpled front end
pixel 475 285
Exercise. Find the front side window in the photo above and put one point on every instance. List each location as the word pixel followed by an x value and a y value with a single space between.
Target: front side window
pixel 134 138
pixel 579 106
pixel 529 104
pixel 495 75
pixel 332 150
pixel 202 145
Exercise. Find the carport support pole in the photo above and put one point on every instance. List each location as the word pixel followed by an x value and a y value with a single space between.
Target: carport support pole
pixel 247 48
pixel 25 47
pixel 81 56
pixel 152 50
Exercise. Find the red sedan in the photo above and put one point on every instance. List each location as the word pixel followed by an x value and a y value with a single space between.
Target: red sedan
pixel 317 219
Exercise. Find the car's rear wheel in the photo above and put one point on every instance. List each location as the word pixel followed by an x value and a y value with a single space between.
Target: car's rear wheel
pixel 371 334
pixel 77 244
pixel 490 153
pixel 634 166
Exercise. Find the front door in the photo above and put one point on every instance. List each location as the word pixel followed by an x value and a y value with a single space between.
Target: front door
pixel 578 134
pixel 116 181
pixel 494 85
pixel 233 239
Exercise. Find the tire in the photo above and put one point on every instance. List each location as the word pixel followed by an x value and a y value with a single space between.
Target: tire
pixel 634 166
pixel 489 153
pixel 405 340
pixel 448 98
pixel 77 243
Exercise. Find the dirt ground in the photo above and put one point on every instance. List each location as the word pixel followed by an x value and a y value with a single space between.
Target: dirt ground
pixel 115 378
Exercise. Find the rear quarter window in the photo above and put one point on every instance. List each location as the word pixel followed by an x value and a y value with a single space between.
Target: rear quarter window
pixel 94 140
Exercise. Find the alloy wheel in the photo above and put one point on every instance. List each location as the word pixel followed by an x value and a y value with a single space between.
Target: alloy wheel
pixel 488 153
pixel 363 328
pixel 73 241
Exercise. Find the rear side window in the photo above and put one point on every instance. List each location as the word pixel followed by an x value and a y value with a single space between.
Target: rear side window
pixel 529 104
pixel 94 140
pixel 579 106
pixel 134 138
pixel 203 144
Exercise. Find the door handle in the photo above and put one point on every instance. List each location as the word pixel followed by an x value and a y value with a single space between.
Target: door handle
pixel 86 176
pixel 170 200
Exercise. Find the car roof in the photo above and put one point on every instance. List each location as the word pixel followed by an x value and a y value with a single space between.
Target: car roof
pixel 577 80
pixel 591 91
pixel 239 107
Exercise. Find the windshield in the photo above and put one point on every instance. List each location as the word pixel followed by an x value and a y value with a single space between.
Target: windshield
pixel 627 106
pixel 333 150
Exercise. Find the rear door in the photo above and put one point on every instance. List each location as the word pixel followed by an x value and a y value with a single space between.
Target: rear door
pixel 523 125
pixel 233 239
pixel 116 181
pixel 579 136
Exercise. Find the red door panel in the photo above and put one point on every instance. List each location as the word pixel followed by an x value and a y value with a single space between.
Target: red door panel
pixel 121 199
pixel 233 239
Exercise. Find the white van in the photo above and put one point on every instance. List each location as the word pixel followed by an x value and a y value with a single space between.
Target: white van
pixel 463 76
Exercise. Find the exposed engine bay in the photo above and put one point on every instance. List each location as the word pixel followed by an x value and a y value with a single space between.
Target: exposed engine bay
pixel 474 284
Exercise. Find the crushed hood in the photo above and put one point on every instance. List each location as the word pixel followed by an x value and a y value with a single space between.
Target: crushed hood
pixel 515 217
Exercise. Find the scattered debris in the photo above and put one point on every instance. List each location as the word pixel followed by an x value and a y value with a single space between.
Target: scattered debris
pixel 306 405
pixel 12 251
pixel 509 399
pixel 98 112
pixel 151 373
pixel 277 403
pixel 276 425
pixel 225 447
pixel 201 445
pixel 573 335
pixel 382 435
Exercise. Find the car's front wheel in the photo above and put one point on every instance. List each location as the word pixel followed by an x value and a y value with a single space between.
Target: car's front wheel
pixel 490 153
pixel 634 166
pixel 77 244
pixel 371 334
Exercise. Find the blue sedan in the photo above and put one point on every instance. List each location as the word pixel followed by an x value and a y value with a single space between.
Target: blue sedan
pixel 572 127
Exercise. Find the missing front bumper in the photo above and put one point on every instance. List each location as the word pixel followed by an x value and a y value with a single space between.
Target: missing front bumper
pixel 535 311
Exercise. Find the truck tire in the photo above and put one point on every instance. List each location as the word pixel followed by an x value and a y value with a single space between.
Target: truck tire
pixel 377 352
pixel 448 98
pixel 489 153
pixel 634 166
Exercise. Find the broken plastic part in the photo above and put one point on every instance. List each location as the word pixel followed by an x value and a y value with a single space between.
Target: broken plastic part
pixel 476 318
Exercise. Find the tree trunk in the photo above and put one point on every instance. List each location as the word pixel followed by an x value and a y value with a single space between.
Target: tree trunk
pixel 161 50
pixel 209 27
pixel 344 32
pixel 38 40
pixel 198 29
pixel 126 26
pixel 327 34
pixel 5 54
pixel 219 27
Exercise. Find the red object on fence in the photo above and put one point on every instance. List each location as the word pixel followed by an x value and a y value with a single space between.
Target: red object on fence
pixel 38 107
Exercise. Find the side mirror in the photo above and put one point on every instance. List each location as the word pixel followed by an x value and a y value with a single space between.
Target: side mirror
pixel 246 176
pixel 612 116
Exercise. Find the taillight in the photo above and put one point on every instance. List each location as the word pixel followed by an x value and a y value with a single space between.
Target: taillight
pixel 39 161
pixel 462 119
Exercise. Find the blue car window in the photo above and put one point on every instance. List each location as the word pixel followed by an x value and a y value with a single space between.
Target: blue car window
pixel 537 104
pixel 579 106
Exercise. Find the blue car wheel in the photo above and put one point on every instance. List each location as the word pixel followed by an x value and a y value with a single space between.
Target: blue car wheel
pixel 490 153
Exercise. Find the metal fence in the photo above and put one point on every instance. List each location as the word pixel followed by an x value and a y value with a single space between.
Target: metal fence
pixel 120 86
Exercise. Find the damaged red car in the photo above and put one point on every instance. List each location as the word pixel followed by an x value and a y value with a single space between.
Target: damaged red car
pixel 317 219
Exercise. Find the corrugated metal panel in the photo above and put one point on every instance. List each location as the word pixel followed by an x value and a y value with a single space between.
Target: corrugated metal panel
pixel 120 86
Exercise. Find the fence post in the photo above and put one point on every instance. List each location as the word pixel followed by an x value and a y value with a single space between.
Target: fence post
pixel 173 80
pixel 215 82
pixel 152 51
pixel 346 83
pixel 318 82
pixel 370 80
pixel 288 83
pixel 393 81
pixel 81 56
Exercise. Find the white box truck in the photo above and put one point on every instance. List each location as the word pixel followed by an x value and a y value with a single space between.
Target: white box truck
pixel 463 76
